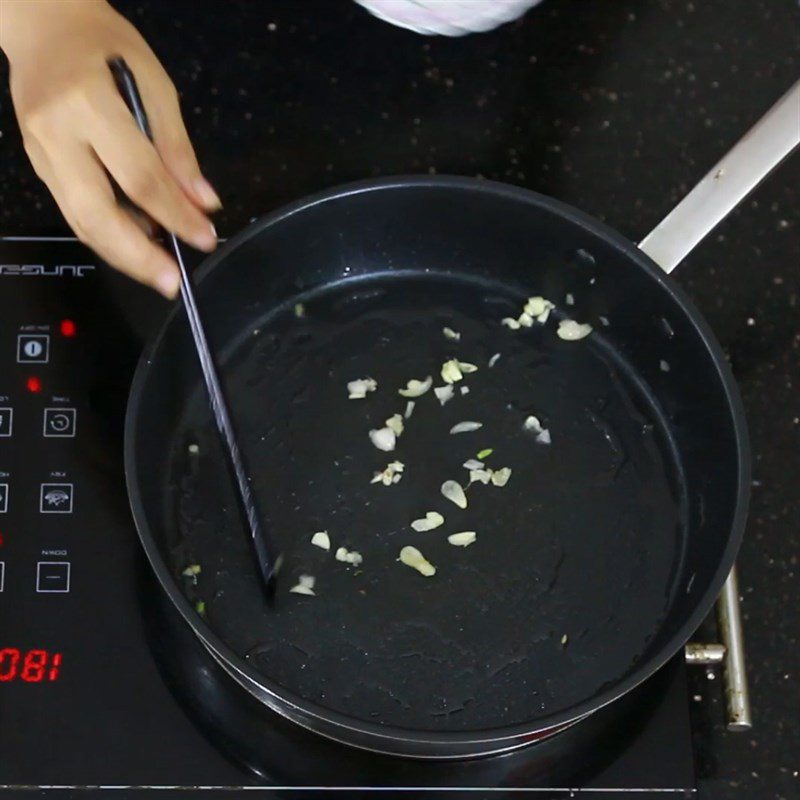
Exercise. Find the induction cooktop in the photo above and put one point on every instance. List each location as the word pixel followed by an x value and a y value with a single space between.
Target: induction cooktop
pixel 104 690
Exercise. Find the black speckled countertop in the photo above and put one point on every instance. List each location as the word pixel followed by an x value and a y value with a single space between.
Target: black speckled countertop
pixel 615 106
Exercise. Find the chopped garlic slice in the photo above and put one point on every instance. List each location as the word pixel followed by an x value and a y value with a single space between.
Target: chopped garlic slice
pixel 451 371
pixel 384 439
pixel 358 389
pixel 321 539
pixel 395 422
pixel 409 409
pixel 415 388
pixel 192 571
pixel 510 323
pixel 542 434
pixel 571 331
pixel 462 539
pixel 348 556
pixel 299 310
pixel 500 476
pixel 466 427
pixel 390 475
pixel 473 463
pixel 454 493
pixel 304 585
pixel 412 557
pixel 532 424
pixel 432 519
pixel 539 308
pixel 449 333
pixel 570 299
pixel 494 359
pixel 480 476
pixel 526 320
pixel 444 393
pixel 464 390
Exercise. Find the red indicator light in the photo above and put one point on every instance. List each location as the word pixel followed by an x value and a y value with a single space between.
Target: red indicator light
pixel 68 327
pixel 33 666
pixel 34 384
pixel 2 539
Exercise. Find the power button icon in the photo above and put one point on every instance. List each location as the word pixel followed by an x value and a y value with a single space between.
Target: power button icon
pixel 33 348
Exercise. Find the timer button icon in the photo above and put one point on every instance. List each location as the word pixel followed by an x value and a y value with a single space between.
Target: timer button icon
pixel 3 498
pixel 59 422
pixel 33 348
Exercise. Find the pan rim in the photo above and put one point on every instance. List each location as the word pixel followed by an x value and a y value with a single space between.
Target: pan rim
pixel 642 670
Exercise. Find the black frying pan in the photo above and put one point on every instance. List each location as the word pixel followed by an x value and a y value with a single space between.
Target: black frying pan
pixel 592 566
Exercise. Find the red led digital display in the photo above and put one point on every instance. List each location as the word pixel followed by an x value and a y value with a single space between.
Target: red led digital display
pixel 31 666
pixel 34 384
pixel 68 328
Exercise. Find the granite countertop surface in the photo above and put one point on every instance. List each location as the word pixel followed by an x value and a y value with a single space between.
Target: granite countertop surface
pixel 614 106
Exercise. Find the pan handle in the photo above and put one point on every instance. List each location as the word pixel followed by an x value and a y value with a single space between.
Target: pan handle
pixel 752 158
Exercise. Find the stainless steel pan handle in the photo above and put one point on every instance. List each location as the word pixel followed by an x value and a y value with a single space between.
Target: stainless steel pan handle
pixel 752 158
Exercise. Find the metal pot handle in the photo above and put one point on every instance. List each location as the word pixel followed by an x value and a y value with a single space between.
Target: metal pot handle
pixel 752 158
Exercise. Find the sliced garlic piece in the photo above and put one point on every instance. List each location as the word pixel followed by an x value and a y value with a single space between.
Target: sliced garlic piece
pixel 395 422
pixel 304 585
pixel 473 463
pixel 466 367
pixel 454 492
pixel 358 389
pixel 480 476
pixel 571 331
pixel 500 476
pixel 539 308
pixel 409 409
pixel 570 299
pixel 462 539
pixel 532 424
pixel 510 323
pixel 444 393
pixel 451 372
pixel 384 439
pixel 412 557
pixel 348 556
pixel 321 539
pixel 494 359
pixel 464 390
pixel 299 310
pixel 466 427
pixel 526 320
pixel 390 475
pixel 543 437
pixel 449 333
pixel 415 388
pixel 432 519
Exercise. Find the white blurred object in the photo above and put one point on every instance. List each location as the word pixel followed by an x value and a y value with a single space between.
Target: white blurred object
pixel 448 17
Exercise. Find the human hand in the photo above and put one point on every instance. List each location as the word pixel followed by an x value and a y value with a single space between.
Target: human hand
pixel 77 131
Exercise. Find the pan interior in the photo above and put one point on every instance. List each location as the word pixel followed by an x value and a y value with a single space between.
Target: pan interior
pixel 576 558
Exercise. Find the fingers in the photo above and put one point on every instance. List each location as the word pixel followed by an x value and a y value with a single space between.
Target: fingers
pixel 171 139
pixel 86 199
pixel 138 169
